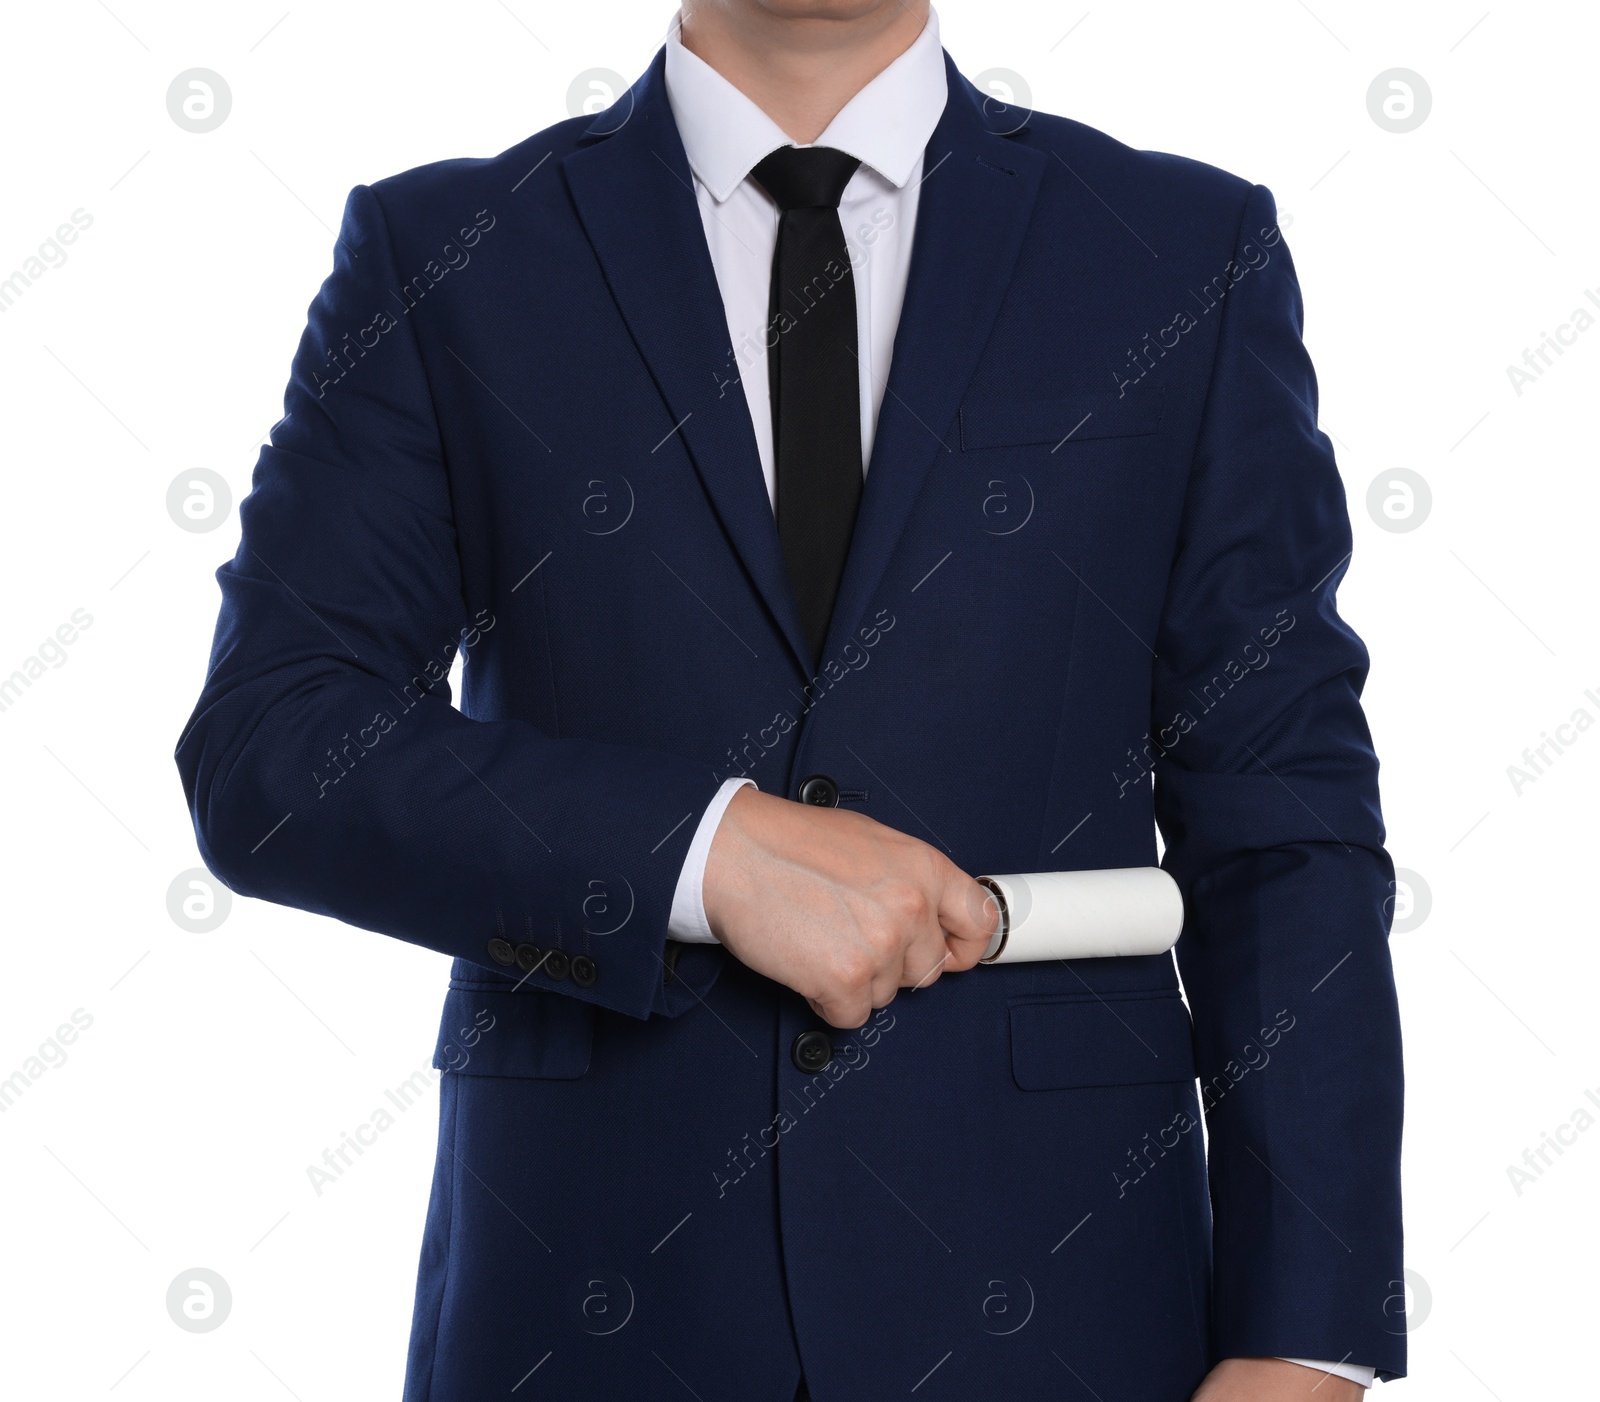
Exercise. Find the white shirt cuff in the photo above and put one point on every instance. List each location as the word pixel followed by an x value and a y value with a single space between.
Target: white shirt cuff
pixel 687 922
pixel 1354 1371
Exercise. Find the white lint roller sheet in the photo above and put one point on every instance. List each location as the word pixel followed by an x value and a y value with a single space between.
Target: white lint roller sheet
pixel 1084 914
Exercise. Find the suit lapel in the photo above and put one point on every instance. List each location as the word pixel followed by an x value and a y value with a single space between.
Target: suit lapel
pixel 635 197
pixel 977 196
pixel 634 194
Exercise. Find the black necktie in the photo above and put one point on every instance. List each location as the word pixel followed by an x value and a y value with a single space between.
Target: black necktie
pixel 813 376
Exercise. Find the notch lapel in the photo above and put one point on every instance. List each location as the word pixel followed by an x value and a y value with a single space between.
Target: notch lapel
pixel 977 196
pixel 634 195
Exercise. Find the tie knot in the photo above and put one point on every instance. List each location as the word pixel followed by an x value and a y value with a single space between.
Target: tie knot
pixel 806 177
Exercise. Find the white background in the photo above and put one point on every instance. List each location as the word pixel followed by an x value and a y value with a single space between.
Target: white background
pixel 219 1065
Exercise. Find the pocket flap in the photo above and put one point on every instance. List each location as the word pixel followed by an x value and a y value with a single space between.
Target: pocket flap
pixel 487 1031
pixel 1112 1040
pixel 1011 423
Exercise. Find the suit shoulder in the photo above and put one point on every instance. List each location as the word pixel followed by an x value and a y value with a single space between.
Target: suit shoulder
pixel 1156 177
pixel 459 186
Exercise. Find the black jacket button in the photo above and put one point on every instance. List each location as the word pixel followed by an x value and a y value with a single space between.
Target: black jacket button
pixel 820 790
pixel 528 957
pixel 584 972
pixel 502 952
pixel 812 1051
pixel 556 964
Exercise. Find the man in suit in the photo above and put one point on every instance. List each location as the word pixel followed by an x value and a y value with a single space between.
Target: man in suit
pixel 838 483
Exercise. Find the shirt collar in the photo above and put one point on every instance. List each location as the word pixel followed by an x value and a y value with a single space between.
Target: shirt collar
pixel 887 125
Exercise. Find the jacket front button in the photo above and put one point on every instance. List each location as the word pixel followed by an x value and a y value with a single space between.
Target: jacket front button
pixel 556 964
pixel 812 1051
pixel 819 790
pixel 584 972
pixel 528 956
pixel 502 952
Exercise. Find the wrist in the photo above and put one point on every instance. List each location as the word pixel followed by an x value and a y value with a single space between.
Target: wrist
pixel 720 883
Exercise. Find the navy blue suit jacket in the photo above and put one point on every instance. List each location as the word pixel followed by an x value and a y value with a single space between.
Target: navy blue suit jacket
pixel 1090 592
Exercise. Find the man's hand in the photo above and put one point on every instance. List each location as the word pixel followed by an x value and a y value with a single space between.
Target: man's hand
pixel 842 909
pixel 1274 1380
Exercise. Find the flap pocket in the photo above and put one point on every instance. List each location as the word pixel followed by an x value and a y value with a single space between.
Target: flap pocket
pixel 1111 1040
pixel 1058 422
pixel 487 1031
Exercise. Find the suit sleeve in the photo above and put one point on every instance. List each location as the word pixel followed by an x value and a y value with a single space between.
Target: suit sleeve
pixel 324 765
pixel 1267 799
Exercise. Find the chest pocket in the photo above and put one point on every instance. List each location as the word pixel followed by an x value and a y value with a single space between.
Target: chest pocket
pixel 1059 422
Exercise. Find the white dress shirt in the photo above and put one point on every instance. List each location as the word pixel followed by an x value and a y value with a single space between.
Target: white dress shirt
pixel 886 126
